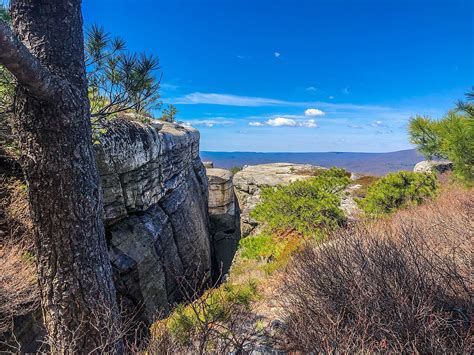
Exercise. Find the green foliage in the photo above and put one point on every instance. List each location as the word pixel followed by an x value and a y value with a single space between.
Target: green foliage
pixel 397 190
pixel 7 81
pixel 118 80
pixel 423 133
pixel 28 257
pixel 271 251
pixel 451 137
pixel 306 207
pixel 169 114
pixel 7 91
pixel 215 307
pixel 4 14
pixel 235 169
pixel 467 106
pixel 257 247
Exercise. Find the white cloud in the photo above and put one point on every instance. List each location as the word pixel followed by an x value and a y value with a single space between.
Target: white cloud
pixel 227 100
pixel 207 123
pixel 345 91
pixel 308 124
pixel 168 86
pixel 277 54
pixel 197 98
pixel 311 88
pixel 313 112
pixel 282 122
pixel 377 124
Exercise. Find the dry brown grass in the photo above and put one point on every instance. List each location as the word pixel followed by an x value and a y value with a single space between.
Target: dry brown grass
pixel 18 289
pixel 19 295
pixel 365 182
pixel 402 284
pixel 17 228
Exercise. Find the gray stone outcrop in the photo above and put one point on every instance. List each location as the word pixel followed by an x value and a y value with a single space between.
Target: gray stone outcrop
pixel 155 211
pixel 427 166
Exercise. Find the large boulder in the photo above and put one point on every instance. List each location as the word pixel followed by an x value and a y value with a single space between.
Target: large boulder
pixel 427 166
pixel 224 217
pixel 155 211
pixel 249 181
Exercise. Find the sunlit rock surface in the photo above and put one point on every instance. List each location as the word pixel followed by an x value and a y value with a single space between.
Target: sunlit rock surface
pixel 155 211
pixel 427 166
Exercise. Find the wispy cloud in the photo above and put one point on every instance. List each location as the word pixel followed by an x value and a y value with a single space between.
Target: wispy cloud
pixel 353 126
pixel 227 100
pixel 311 88
pixel 207 123
pixel 168 87
pixel 308 124
pixel 377 124
pixel 277 54
pixel 285 122
pixel 313 112
pixel 197 98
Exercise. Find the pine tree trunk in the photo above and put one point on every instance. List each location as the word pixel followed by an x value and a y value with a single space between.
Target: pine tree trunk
pixel 75 278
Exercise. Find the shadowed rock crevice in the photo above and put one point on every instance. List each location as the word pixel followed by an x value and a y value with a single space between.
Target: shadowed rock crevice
pixel 224 216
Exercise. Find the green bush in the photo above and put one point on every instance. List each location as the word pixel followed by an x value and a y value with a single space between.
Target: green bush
pixel 215 309
pixel 258 247
pixel 306 207
pixel 235 169
pixel 398 190
pixel 451 137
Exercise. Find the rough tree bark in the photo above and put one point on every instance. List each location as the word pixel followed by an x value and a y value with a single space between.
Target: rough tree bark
pixel 52 120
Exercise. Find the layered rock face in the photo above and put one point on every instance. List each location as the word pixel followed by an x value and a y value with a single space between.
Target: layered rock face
pixel 156 212
pixel 249 181
pixel 224 217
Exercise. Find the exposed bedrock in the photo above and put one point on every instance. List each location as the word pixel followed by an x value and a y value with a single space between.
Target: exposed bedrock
pixel 428 166
pixel 224 217
pixel 156 212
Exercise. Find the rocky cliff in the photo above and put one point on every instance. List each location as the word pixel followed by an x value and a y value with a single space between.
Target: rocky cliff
pixel 155 211
pixel 169 227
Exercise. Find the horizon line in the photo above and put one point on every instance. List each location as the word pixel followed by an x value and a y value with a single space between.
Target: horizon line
pixel 313 152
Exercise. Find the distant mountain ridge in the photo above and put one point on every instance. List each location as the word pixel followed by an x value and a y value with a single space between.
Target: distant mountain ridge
pixel 366 163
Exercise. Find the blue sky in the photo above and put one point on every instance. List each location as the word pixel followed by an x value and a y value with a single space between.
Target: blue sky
pixel 301 76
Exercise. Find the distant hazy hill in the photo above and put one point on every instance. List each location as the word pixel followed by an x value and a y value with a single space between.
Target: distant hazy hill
pixel 369 163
